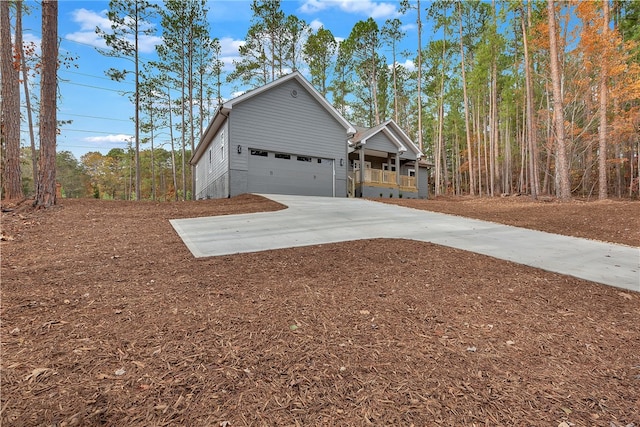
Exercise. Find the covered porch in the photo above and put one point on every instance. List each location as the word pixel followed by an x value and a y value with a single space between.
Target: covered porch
pixel 381 174
pixel 384 162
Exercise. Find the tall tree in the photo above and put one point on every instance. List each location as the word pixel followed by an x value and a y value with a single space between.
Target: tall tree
pixel 604 92
pixel 392 35
pixel 46 186
pixel 263 54
pixel 296 32
pixel 318 52
pixel 25 87
pixel 472 180
pixel 363 45
pixel 405 5
pixel 562 167
pixel 534 182
pixel 10 110
pixel 129 20
pixel 341 84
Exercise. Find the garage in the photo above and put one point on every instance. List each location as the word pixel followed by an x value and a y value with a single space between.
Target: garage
pixel 284 173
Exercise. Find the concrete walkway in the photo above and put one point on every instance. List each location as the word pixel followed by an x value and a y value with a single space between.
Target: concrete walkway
pixel 318 220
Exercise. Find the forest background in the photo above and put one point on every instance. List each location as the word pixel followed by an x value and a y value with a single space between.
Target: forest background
pixel 504 97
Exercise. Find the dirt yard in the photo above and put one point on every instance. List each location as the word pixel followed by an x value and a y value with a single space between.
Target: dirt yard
pixel 107 320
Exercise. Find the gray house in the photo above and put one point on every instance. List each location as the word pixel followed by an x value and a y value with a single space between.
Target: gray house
pixel 285 138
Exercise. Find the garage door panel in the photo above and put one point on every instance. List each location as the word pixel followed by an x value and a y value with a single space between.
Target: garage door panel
pixel 268 174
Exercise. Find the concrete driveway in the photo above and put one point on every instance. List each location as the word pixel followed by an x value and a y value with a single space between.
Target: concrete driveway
pixel 318 220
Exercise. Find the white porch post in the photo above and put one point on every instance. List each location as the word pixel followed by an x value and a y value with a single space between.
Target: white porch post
pixel 398 169
pixel 361 165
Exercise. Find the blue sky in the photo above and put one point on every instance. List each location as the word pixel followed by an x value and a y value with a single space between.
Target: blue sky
pixel 100 110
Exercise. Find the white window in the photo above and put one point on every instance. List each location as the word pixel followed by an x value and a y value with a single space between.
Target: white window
pixel 222 141
pixel 412 172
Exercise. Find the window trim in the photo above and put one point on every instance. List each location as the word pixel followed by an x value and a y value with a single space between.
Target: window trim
pixel 259 153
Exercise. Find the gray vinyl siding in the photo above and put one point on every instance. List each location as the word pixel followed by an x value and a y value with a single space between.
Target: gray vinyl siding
pixel 212 169
pixel 423 183
pixel 276 121
pixel 381 142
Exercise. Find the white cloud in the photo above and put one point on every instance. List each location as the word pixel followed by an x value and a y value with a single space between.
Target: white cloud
pixel 230 46
pixel 313 6
pixel 109 138
pixel 370 8
pixel 408 27
pixel 85 37
pixel 316 25
pixel 229 52
pixel 88 20
pixel 408 64
pixel 228 62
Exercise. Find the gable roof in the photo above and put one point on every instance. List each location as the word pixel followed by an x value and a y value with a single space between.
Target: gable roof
pixel 395 134
pixel 222 112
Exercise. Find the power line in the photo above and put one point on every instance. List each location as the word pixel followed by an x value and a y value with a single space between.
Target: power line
pixel 95 117
pixel 64 129
pixel 86 131
pixel 94 76
pixel 95 47
pixel 92 87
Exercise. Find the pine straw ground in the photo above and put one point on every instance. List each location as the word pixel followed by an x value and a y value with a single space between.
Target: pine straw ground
pixel 108 320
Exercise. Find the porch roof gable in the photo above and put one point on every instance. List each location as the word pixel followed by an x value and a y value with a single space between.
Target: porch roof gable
pixel 395 134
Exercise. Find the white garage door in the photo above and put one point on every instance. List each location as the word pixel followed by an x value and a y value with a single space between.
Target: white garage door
pixel 281 173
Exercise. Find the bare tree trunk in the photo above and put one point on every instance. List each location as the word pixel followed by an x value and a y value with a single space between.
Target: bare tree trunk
pixel 183 128
pixel 153 167
pixel 191 119
pixel 395 85
pixel 25 88
pixel 374 87
pixel 173 148
pixel 602 131
pixel 456 165
pixel 10 113
pixel 494 129
pixel 531 129
pixel 472 178
pixel 420 147
pixel 137 113
pixel 562 167
pixel 46 187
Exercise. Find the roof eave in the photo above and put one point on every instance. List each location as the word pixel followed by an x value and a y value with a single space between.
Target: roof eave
pixel 219 117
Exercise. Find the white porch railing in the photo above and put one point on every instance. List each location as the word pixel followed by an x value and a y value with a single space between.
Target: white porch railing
pixel 384 178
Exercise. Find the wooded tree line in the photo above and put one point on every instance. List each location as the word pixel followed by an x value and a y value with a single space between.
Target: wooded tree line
pixel 13 61
pixel 517 96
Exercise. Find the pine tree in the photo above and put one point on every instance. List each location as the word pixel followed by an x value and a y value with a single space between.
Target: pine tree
pixel 10 111
pixel 129 20
pixel 46 186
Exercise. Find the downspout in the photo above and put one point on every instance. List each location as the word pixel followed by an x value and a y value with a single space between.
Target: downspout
pixel 361 168
pixel 418 176
pixel 227 133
